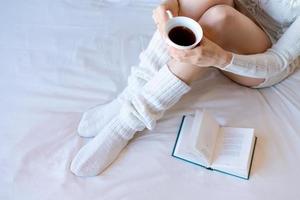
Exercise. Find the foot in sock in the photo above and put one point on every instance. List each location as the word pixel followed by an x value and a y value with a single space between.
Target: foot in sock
pixel 98 154
pixel 143 110
pixel 151 60
pixel 94 119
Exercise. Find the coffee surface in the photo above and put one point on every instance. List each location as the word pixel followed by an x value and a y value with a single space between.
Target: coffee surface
pixel 182 36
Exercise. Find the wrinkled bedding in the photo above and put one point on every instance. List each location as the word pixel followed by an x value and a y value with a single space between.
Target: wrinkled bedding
pixel 61 57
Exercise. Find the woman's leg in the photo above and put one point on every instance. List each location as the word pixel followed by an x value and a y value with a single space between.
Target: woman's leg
pixel 147 106
pixel 142 111
pixel 229 28
pixel 195 8
pixel 237 33
pixel 151 60
pixel 186 72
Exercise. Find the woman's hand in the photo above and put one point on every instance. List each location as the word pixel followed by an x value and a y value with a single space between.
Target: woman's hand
pixel 160 16
pixel 206 54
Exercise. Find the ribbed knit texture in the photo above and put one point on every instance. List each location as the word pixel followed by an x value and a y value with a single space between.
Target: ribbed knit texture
pixel 159 94
pixel 95 156
pixel 283 28
pixel 145 107
pixel 151 60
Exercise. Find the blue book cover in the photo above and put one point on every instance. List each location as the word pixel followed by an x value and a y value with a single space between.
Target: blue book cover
pixel 203 142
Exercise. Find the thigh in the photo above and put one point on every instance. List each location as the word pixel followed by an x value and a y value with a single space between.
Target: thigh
pixel 237 33
pixel 195 8
pixel 233 30
pixel 243 80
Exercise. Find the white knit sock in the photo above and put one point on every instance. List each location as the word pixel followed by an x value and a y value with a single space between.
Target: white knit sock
pixel 95 156
pixel 151 60
pixel 145 107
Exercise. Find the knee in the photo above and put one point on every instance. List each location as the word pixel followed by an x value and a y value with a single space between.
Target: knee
pixel 217 17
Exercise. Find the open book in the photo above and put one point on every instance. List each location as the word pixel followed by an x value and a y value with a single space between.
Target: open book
pixel 202 141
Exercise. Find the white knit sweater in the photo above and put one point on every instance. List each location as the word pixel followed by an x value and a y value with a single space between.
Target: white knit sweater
pixel 280 19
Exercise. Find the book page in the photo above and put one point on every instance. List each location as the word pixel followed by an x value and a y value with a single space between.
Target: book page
pixel 233 150
pixel 183 148
pixel 207 130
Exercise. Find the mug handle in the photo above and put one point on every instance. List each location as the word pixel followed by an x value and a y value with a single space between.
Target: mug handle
pixel 169 13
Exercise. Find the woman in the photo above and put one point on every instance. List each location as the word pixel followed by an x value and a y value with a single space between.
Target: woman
pixel 254 43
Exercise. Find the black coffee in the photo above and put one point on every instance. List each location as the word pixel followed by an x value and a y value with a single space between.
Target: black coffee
pixel 182 36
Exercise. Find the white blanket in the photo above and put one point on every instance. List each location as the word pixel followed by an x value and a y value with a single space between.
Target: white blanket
pixel 60 57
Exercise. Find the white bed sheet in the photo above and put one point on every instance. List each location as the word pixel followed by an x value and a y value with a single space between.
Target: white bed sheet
pixel 60 57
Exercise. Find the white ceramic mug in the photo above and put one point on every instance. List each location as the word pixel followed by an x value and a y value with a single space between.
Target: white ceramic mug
pixel 185 22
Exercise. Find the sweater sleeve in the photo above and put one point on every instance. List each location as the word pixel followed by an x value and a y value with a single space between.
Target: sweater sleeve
pixel 274 60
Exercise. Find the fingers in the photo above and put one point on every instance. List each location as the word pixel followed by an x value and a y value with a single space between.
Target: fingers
pixel 175 53
pixel 160 18
pixel 160 15
pixel 206 54
pixel 181 55
pixel 204 41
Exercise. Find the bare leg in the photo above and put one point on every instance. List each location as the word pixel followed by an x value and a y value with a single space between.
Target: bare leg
pixel 235 32
pixel 196 8
pixel 186 72
pixel 229 28
pixel 193 9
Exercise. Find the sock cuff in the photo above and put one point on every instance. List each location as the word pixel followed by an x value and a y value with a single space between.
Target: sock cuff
pixel 151 60
pixel 148 105
pixel 159 94
pixel 156 54
pixel 165 88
